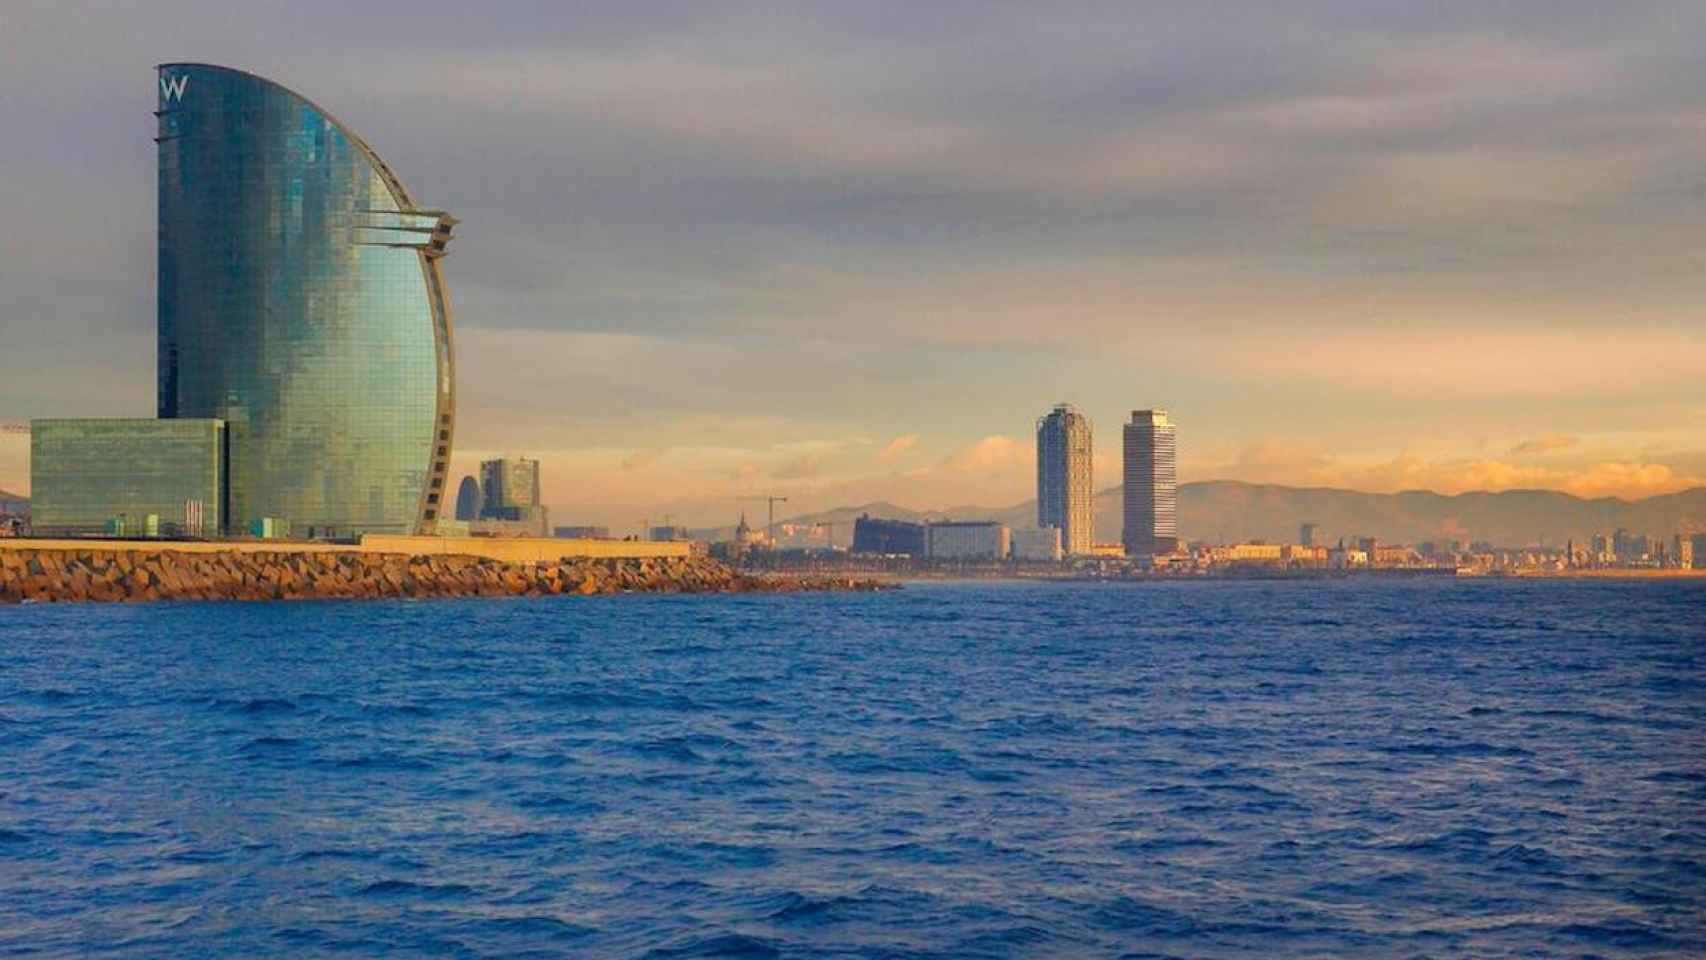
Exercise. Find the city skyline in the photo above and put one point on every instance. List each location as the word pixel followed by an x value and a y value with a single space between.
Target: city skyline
pixel 1449 254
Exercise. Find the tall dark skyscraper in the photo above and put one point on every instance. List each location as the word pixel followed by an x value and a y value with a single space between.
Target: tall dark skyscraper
pixel 468 499
pixel 1065 495
pixel 1151 485
pixel 301 302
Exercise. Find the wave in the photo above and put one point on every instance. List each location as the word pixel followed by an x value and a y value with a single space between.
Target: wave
pixel 733 945
pixel 407 888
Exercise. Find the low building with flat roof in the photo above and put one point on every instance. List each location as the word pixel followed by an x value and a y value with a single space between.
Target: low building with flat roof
pixel 128 477
pixel 873 535
pixel 974 540
pixel 1037 545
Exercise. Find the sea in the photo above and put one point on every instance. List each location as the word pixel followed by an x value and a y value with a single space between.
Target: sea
pixel 1368 768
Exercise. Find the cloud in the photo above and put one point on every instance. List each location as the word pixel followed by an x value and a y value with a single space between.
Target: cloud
pixel 897 447
pixel 1629 480
pixel 642 459
pixel 1270 461
pixel 1546 444
pixel 1438 360
pixel 799 468
pixel 992 454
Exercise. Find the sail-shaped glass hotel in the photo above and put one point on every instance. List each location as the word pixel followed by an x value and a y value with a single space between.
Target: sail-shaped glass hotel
pixel 303 325
pixel 301 304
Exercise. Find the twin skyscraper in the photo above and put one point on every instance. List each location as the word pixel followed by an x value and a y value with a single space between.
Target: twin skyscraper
pixel 1065 484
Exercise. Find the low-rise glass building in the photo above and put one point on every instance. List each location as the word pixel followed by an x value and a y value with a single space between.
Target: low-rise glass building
pixel 158 478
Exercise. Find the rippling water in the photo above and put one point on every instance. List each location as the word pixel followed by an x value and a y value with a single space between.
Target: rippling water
pixel 1188 769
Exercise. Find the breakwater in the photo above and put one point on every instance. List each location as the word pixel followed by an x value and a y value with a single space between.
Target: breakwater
pixel 65 575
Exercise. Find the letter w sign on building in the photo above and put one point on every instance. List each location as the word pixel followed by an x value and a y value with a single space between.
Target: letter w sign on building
pixel 172 88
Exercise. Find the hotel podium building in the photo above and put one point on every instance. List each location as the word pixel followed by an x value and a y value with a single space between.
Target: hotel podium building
pixel 1151 485
pixel 302 308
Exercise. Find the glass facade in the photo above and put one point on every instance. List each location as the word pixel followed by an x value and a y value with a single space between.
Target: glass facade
pixel 301 302
pixel 127 477
pixel 508 485
pixel 1151 484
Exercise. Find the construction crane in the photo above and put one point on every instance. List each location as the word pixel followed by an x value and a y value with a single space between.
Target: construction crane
pixel 769 530
pixel 828 527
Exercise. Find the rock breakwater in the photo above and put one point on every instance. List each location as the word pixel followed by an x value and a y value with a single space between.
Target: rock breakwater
pixel 60 575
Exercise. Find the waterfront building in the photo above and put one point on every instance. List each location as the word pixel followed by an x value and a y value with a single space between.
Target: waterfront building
pixel 973 540
pixel 1392 555
pixel 887 537
pixel 1304 555
pixel 1632 547
pixel 1698 549
pixel 508 485
pixel 1602 552
pixel 1151 484
pixel 13 507
pixel 301 309
pixel 746 535
pixel 108 477
pixel 510 503
pixel 1042 544
pixel 1065 493
pixel 1347 558
pixel 301 301
pixel 581 533
pixel 1249 553
pixel 1309 535
pixel 1682 552
pixel 468 500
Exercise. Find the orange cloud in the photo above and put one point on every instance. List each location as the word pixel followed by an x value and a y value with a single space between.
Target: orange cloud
pixel 641 459
pixel 1629 480
pixel 897 447
pixel 1271 461
pixel 1545 444
pixel 992 454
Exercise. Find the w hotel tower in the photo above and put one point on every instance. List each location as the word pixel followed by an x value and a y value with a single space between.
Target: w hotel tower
pixel 300 304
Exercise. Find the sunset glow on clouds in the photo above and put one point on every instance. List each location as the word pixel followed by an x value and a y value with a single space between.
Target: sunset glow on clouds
pixel 851 252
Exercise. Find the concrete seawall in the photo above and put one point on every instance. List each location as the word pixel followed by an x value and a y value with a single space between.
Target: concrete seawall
pixel 55 575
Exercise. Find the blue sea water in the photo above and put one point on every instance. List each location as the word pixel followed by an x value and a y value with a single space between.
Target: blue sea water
pixel 1359 768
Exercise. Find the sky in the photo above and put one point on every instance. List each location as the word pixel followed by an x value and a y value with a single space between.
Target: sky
pixel 849 252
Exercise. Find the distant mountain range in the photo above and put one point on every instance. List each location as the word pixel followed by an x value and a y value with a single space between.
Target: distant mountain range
pixel 1228 511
